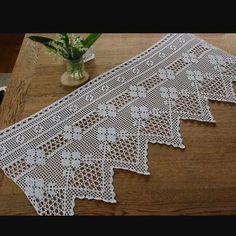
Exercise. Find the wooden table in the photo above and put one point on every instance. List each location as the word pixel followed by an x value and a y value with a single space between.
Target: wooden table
pixel 200 180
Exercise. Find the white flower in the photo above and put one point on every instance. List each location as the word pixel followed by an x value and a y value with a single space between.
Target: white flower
pixel 106 110
pixel 111 134
pixel 166 74
pixel 162 55
pixel 20 139
pixel 216 60
pixel 194 75
pixel 137 91
pixel 72 132
pixel 182 40
pixel 101 136
pixel 56 118
pixel 38 128
pixel 89 98
pixel 156 112
pixel 35 157
pixel 169 93
pixel 121 79
pixel 189 57
pixel 105 88
pixel 3 150
pixel 164 92
pixel 134 112
pixel 173 47
pixel 34 187
pixel 73 108
pixel 212 59
pixel 123 134
pixel 162 73
pixel 70 159
pixel 149 62
pixel 106 134
pixel 136 71
pixel 139 112
pixel 143 112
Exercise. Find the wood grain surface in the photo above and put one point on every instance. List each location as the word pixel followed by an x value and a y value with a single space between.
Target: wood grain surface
pixel 200 180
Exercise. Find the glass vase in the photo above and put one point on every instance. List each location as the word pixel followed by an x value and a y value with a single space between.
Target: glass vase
pixel 75 74
pixel 75 69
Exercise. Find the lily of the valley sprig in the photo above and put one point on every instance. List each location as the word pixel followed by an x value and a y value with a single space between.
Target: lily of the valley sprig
pixel 67 46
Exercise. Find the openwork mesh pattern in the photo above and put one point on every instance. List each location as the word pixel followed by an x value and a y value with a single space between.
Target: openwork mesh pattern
pixel 69 149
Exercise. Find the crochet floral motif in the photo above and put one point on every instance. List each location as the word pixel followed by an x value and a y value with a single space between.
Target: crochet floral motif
pixel 189 57
pixel 73 108
pixel 20 139
pixel 106 110
pixel 38 128
pixel 195 76
pixel 72 133
pixel 137 91
pixel 69 161
pixel 34 187
pixel 35 157
pixel 56 118
pixel 170 94
pixel 166 74
pixel 70 149
pixel 106 134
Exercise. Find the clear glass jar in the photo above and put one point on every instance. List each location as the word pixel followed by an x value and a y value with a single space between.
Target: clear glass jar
pixel 75 68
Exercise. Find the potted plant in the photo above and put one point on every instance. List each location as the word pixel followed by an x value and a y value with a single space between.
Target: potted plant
pixel 71 48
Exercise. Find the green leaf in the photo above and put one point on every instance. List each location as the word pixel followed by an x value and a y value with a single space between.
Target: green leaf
pixel 65 46
pixel 47 42
pixel 44 41
pixel 90 40
pixel 77 52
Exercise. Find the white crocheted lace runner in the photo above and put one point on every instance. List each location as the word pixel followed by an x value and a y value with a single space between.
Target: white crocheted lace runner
pixel 69 149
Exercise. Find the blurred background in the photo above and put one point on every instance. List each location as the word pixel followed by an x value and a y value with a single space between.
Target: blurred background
pixel 9 48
